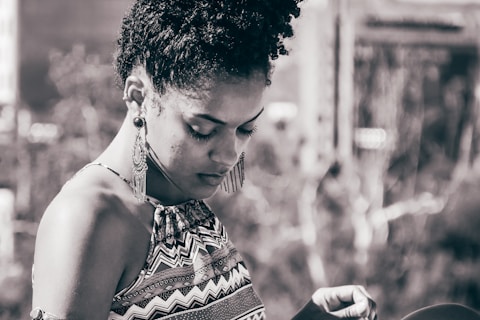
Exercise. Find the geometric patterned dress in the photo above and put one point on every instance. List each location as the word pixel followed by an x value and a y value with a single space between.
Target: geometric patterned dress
pixel 192 271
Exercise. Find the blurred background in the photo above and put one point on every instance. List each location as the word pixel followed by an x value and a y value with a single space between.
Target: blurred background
pixel 365 168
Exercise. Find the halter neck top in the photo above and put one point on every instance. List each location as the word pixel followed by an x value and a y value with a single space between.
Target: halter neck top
pixel 192 271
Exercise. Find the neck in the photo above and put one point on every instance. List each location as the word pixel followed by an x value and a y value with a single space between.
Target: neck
pixel 118 154
pixel 160 186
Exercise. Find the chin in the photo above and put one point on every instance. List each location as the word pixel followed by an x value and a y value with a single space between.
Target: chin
pixel 205 192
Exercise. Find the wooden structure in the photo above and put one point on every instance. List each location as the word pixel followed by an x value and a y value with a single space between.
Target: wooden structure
pixel 442 35
pixel 414 39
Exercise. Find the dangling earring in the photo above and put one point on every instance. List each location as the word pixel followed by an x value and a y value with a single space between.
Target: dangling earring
pixel 235 178
pixel 139 159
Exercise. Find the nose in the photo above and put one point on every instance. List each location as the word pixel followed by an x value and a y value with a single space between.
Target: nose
pixel 226 152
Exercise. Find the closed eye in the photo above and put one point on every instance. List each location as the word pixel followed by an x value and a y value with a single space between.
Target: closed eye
pixel 247 132
pixel 199 136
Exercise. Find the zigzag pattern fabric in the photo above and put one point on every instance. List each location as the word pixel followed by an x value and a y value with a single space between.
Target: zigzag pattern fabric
pixel 193 271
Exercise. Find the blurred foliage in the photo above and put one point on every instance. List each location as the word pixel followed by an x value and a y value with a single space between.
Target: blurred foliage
pixel 421 259
pixel 88 113
pixel 431 259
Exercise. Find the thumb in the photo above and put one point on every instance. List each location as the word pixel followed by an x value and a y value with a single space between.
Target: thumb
pixel 357 310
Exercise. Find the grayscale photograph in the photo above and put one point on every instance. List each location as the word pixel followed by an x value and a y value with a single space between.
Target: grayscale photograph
pixel 239 159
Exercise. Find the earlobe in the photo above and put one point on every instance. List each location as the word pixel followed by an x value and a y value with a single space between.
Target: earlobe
pixel 134 92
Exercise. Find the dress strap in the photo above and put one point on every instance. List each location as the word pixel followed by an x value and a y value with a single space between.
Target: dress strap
pixel 151 200
pixel 106 167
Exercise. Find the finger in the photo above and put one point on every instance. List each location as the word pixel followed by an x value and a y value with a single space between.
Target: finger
pixel 371 316
pixel 342 296
pixel 335 298
pixel 351 295
pixel 357 310
pixel 346 301
pixel 357 303
pixel 359 295
pixel 372 306
pixel 332 298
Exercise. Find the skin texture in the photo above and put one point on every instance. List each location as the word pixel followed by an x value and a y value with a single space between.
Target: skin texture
pixel 93 238
pixel 196 136
pixel 89 244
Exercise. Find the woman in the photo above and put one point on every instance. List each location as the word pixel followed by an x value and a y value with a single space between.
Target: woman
pixel 129 236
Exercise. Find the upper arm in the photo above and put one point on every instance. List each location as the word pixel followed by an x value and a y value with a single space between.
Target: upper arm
pixel 78 261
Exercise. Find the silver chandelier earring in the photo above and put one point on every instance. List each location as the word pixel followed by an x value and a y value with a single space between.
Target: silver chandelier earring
pixel 235 177
pixel 139 157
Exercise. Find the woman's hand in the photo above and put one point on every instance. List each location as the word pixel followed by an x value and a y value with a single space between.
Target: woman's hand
pixel 350 301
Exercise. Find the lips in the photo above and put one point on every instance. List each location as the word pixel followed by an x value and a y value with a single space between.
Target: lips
pixel 211 179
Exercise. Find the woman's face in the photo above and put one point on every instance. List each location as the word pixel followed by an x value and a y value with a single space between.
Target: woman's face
pixel 198 138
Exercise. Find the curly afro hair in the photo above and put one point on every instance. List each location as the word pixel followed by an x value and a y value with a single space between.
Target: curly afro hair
pixel 185 43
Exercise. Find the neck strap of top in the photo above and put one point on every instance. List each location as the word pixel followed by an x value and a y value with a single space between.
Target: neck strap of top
pixel 154 202
pixel 170 222
pixel 108 168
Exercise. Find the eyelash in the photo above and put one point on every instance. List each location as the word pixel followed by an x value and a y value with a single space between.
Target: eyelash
pixel 198 136
pixel 248 133
pixel 205 137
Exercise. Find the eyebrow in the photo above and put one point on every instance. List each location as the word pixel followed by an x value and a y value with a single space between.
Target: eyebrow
pixel 215 120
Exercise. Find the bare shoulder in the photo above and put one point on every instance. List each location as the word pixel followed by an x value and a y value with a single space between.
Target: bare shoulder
pixel 84 208
pixel 79 256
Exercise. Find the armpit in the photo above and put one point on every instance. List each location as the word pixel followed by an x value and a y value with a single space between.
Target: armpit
pixel 39 314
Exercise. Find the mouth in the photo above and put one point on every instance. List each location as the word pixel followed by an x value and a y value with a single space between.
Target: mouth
pixel 211 179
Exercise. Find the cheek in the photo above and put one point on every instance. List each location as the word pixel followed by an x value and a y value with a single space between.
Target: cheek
pixel 186 152
pixel 181 152
pixel 175 147
pixel 176 153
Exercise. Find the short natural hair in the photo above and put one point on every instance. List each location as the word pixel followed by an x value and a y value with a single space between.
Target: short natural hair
pixel 184 43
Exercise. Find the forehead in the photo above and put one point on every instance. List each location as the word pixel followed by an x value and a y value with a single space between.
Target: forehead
pixel 231 102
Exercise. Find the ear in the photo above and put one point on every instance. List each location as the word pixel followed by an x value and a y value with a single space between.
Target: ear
pixel 134 93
